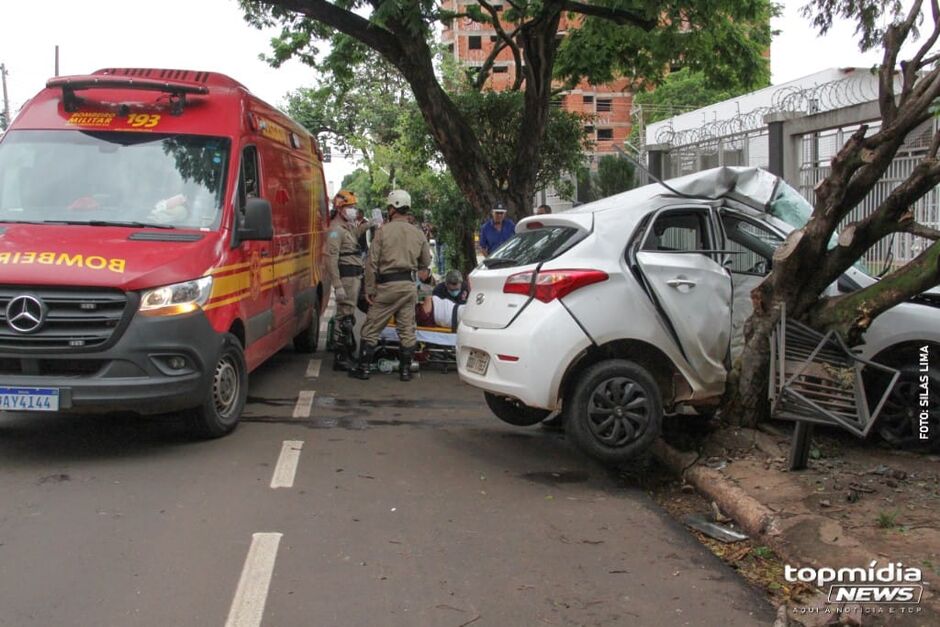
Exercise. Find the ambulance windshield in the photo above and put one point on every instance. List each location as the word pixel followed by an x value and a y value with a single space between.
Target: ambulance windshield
pixel 98 178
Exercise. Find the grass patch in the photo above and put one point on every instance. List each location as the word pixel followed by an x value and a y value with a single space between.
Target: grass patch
pixel 887 520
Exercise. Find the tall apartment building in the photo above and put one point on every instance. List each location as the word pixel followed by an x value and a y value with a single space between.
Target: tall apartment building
pixel 606 108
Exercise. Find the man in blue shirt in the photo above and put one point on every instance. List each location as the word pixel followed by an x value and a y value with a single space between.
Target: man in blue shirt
pixel 496 230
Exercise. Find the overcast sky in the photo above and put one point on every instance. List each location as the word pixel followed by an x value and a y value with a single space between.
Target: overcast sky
pixel 211 35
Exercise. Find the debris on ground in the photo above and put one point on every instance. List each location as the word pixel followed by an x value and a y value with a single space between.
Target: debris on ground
pixel 714 530
pixel 856 502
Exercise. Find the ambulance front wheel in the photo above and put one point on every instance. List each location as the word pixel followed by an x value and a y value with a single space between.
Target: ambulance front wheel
pixel 228 390
pixel 308 339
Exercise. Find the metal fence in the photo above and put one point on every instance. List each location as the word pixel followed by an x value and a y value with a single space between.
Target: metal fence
pixel 749 148
pixel 818 149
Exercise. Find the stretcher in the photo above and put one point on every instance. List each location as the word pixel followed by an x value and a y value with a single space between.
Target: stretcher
pixel 437 346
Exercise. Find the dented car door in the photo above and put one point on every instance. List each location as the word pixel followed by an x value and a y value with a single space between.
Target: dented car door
pixel 676 259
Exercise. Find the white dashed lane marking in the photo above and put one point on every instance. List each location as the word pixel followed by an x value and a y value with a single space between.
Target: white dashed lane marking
pixel 304 404
pixel 313 369
pixel 287 462
pixel 248 605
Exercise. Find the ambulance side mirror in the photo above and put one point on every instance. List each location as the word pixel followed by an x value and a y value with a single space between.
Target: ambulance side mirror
pixel 257 223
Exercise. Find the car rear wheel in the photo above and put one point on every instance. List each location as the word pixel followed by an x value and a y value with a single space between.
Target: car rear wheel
pixel 308 339
pixel 220 410
pixel 514 412
pixel 615 412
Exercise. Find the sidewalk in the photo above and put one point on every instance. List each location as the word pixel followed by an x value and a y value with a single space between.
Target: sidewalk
pixel 855 504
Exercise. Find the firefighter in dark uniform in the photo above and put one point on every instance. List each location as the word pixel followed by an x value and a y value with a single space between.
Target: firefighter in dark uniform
pixel 345 266
pixel 398 251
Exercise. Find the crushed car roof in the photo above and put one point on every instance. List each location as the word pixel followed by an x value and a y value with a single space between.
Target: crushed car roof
pixel 753 187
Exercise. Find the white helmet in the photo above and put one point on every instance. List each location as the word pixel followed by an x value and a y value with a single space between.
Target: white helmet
pixel 398 198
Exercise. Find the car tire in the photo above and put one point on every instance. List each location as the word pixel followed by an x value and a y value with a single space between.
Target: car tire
pixel 616 411
pixel 899 421
pixel 307 340
pixel 225 399
pixel 511 411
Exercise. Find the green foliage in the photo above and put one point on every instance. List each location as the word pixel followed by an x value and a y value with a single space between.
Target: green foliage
pixel 356 106
pixel 763 552
pixel 614 175
pixel 491 141
pixel 723 39
pixel 871 17
pixel 363 185
pixel 495 118
pixel 682 91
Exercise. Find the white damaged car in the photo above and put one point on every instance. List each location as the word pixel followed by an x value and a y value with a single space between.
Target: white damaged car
pixel 633 306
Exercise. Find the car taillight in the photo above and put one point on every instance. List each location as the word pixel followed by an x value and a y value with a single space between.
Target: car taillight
pixel 552 284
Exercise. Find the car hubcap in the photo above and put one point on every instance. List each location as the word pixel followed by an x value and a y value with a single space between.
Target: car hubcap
pixel 619 411
pixel 225 386
pixel 900 417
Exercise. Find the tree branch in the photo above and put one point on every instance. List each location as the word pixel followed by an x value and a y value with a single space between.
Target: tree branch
pixel 918 61
pixel 920 230
pixel 851 314
pixel 357 27
pixel 894 38
pixel 909 74
pixel 617 16
pixel 507 41
pixel 892 216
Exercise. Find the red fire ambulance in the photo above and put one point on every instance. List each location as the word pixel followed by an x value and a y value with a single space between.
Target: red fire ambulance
pixel 160 237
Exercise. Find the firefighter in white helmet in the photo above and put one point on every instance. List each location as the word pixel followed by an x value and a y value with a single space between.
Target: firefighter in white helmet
pixel 398 251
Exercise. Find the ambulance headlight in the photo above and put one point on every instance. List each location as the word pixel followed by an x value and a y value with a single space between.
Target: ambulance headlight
pixel 172 300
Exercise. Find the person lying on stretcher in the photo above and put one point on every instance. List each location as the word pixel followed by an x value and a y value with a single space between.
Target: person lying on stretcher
pixel 434 311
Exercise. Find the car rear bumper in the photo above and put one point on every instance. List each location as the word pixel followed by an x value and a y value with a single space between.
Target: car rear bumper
pixel 134 374
pixel 527 359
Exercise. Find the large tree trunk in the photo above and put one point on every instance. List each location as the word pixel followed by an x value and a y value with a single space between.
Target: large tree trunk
pixel 745 402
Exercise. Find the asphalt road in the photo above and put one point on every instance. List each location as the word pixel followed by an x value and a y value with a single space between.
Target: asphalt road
pixel 402 504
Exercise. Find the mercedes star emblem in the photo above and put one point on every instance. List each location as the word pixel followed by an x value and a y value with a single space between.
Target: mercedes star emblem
pixel 25 314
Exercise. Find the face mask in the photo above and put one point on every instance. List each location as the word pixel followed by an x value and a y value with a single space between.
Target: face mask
pixel 454 293
pixel 351 215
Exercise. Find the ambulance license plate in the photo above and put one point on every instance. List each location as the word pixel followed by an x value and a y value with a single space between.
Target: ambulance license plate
pixel 29 399
pixel 477 361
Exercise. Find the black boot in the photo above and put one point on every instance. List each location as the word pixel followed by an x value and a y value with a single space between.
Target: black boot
pixel 404 364
pixel 348 323
pixel 366 355
pixel 342 354
pixel 342 359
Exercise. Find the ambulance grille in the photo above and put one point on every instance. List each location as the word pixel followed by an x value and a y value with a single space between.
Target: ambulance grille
pixel 73 320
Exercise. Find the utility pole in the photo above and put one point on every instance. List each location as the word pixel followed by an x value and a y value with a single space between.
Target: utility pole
pixel 5 122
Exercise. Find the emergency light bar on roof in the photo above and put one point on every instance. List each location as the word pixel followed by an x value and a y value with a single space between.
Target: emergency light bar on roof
pixel 177 89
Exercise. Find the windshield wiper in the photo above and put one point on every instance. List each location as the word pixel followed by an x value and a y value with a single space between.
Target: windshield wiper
pixel 131 224
pixel 499 262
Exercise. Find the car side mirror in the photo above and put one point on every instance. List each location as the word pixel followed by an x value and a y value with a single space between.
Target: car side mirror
pixel 257 223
